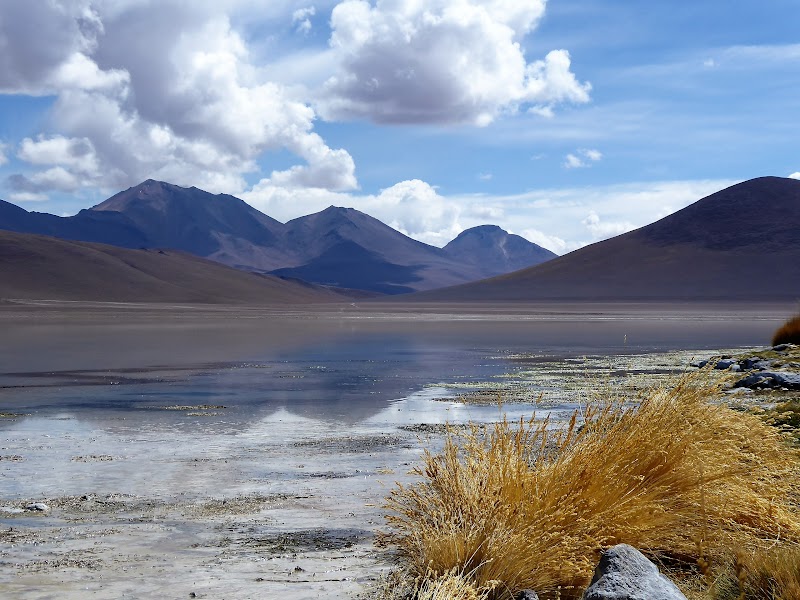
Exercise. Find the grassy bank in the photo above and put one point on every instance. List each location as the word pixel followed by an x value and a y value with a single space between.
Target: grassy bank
pixel 708 492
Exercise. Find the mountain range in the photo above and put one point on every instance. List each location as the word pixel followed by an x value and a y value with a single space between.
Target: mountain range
pixel 741 243
pixel 337 247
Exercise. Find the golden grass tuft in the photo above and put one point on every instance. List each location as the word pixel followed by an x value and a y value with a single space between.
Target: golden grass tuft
pixel 771 574
pixel 788 333
pixel 522 505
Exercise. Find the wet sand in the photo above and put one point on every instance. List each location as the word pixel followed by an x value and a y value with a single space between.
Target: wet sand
pixel 235 453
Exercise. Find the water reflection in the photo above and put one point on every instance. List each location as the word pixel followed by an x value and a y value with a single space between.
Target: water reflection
pixel 347 378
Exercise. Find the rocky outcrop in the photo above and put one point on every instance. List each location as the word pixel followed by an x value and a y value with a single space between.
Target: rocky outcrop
pixel 770 380
pixel 624 573
pixel 776 369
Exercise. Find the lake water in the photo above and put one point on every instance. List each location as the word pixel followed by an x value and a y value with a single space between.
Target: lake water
pixel 300 418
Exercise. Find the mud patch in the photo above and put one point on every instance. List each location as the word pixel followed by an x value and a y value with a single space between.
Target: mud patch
pixel 307 540
pixel 194 407
pixel 93 458
pixel 354 443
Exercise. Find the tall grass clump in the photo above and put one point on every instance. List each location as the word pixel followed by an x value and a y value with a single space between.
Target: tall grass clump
pixel 788 333
pixel 771 574
pixel 524 505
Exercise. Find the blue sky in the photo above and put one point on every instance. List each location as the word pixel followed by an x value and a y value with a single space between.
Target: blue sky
pixel 566 122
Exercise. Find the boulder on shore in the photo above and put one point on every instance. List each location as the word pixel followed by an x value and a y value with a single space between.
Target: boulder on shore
pixel 624 573
pixel 770 380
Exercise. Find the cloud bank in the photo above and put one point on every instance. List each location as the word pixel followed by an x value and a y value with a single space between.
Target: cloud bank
pixel 174 97
pixel 443 61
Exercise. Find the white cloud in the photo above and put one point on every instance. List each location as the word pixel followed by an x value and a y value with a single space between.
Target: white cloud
pixel 413 207
pixel 77 153
pixel 582 158
pixel 600 229
pixel 551 242
pixel 560 220
pixel 27 197
pixel 175 98
pixel 3 157
pixel 301 19
pixel 444 61
pixel 795 175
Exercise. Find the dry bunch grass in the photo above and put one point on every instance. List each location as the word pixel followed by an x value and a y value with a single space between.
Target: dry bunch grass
pixel 788 333
pixel 771 574
pixel 678 477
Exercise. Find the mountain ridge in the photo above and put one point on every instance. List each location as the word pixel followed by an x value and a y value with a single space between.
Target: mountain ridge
pixel 230 231
pixel 741 243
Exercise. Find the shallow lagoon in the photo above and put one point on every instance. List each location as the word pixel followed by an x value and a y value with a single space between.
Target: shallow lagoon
pixel 239 453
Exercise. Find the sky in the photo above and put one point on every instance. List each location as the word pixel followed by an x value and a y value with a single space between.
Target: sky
pixel 564 121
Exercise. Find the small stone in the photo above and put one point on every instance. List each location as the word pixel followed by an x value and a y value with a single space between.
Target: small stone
pixel 37 507
pixel 527 595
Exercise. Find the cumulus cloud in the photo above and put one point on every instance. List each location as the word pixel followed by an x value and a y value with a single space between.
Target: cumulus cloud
pixel 582 158
pixel 23 197
pixel 600 229
pixel 560 220
pixel 301 19
pixel 551 242
pixel 444 61
pixel 795 175
pixel 175 98
pixel 413 207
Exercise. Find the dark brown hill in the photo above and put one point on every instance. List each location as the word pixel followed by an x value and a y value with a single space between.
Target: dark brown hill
pixel 742 243
pixel 46 268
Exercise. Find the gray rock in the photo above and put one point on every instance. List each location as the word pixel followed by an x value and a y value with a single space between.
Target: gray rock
pixel 770 380
pixel 527 595
pixel 699 364
pixel 624 573
pixel 37 507
pixel 782 347
pixel 755 363
pixel 727 363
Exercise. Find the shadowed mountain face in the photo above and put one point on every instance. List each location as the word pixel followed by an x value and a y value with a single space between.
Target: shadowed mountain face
pixel 496 250
pixel 46 268
pixel 337 246
pixel 109 228
pixel 352 249
pixel 742 243
pixel 219 227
